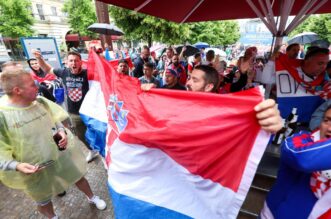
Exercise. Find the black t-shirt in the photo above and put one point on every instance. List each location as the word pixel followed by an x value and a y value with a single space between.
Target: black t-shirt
pixel 76 87
pixel 176 87
pixel 138 67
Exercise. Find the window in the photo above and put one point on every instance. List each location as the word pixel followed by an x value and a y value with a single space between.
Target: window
pixel 40 11
pixel 54 13
pixel 30 9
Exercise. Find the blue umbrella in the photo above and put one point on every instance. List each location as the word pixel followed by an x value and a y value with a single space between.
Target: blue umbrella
pixel 200 45
pixel 303 38
pixel 190 50
pixel 321 43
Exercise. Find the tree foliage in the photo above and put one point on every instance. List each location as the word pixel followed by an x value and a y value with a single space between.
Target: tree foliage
pixel 15 19
pixel 215 32
pixel 320 24
pixel 81 14
pixel 140 26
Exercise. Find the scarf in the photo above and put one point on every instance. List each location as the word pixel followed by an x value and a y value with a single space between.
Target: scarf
pixel 320 181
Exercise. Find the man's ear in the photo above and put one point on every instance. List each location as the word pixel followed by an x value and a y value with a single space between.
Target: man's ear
pixel 209 87
pixel 16 90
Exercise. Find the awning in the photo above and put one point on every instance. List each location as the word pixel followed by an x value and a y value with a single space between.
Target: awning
pixel 208 10
pixel 75 38
pixel 273 13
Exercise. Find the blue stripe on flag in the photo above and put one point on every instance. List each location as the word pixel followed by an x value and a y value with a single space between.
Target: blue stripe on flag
pixel 95 133
pixel 126 207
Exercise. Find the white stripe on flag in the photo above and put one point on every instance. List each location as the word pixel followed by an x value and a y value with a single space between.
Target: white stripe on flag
pixel 94 103
pixel 254 159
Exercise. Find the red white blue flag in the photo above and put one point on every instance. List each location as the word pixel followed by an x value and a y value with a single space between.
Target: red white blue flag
pixel 177 154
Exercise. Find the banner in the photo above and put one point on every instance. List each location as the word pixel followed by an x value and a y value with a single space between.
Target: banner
pixel 47 47
pixel 177 154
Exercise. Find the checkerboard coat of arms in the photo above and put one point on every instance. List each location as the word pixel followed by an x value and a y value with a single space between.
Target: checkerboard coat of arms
pixel 75 94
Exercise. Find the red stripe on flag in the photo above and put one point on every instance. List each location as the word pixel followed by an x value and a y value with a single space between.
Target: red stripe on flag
pixel 113 63
pixel 326 215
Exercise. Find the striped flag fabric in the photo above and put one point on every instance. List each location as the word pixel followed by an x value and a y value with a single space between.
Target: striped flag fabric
pixel 176 154
pixel 94 114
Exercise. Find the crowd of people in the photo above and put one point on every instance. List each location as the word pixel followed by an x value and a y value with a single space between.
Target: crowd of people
pixel 304 85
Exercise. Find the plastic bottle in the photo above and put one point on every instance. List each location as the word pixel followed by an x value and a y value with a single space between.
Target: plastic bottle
pixel 292 114
pixel 291 126
pixel 280 135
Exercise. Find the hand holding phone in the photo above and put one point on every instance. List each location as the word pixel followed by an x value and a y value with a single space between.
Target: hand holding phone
pixel 45 164
pixel 36 53
pixel 26 168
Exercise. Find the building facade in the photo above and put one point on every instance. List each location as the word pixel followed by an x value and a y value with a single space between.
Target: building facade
pixel 50 21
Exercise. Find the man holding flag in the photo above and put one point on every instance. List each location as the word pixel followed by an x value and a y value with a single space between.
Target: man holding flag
pixel 180 154
pixel 205 79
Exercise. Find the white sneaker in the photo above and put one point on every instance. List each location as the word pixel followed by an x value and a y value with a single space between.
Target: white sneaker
pixel 91 155
pixel 99 203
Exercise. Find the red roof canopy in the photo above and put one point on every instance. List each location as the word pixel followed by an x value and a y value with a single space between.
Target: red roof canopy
pixel 75 37
pixel 178 10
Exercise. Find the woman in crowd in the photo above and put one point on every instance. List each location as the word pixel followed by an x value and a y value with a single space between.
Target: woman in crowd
pixel 45 82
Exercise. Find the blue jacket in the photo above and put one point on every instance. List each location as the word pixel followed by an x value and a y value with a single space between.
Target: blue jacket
pixel 291 196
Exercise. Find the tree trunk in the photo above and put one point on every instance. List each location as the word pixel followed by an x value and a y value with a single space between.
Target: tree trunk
pixel 103 17
pixel 149 41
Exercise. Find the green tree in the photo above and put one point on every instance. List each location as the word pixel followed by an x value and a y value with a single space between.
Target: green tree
pixel 81 14
pixel 320 24
pixel 15 19
pixel 215 32
pixel 303 27
pixel 138 26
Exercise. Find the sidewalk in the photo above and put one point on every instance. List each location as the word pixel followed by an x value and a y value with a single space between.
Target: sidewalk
pixel 15 204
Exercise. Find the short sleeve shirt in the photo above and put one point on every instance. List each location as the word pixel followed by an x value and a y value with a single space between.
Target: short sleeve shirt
pixel 76 87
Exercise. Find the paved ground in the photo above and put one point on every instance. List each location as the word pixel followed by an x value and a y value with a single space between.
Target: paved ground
pixel 16 205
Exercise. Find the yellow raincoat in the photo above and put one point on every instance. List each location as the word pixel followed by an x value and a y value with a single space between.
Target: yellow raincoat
pixel 26 136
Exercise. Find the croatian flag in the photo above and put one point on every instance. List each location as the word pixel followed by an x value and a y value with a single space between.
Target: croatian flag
pixel 178 154
pixel 93 112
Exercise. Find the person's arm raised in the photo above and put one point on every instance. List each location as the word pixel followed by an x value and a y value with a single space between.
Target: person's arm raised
pixel 44 65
